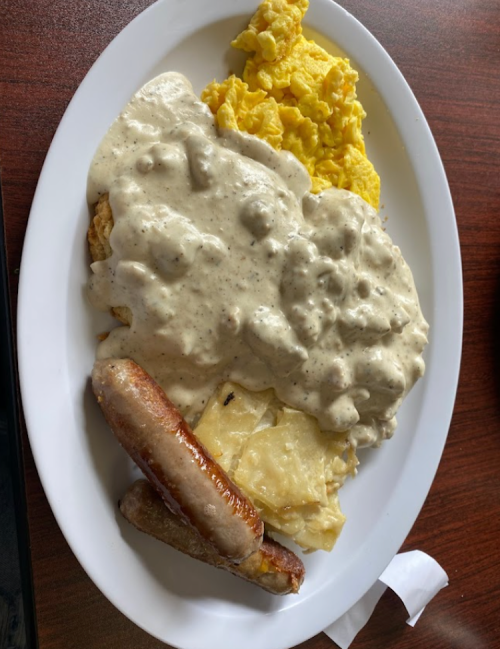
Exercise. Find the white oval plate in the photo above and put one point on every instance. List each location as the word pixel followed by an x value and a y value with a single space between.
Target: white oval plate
pixel 82 468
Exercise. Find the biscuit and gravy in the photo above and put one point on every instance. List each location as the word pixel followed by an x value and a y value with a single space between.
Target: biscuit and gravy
pixel 237 240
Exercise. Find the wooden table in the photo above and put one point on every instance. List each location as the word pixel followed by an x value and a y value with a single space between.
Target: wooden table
pixel 449 51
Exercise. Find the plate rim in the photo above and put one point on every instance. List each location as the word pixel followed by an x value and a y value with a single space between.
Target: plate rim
pixel 394 84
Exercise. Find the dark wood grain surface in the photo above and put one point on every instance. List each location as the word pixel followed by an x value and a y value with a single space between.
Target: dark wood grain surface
pixel 449 51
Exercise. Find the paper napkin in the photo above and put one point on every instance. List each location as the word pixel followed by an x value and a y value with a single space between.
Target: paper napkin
pixel 414 576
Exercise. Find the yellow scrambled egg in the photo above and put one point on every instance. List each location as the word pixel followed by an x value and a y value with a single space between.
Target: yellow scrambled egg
pixel 298 97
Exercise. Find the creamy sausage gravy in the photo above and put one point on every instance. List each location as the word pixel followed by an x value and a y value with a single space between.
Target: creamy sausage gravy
pixel 233 270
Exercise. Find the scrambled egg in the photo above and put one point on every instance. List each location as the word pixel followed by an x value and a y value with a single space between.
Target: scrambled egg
pixel 298 97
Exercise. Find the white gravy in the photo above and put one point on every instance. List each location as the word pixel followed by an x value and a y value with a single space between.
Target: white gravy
pixel 234 271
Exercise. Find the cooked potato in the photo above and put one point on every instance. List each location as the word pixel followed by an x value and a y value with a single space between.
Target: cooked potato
pixel 281 460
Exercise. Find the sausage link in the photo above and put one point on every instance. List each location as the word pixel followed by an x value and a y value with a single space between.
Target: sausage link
pixel 190 482
pixel 273 567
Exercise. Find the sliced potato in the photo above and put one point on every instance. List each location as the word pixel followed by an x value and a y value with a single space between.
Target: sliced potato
pixel 284 466
pixel 313 527
pixel 322 529
pixel 289 469
pixel 340 460
pixel 231 416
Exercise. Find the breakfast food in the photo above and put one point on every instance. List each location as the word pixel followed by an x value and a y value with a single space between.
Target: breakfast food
pixel 272 567
pixel 298 97
pixel 100 249
pixel 258 292
pixel 233 270
pixel 279 457
pixel 191 484
pixel 228 268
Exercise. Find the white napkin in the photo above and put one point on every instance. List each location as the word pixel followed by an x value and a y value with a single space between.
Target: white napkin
pixel 414 576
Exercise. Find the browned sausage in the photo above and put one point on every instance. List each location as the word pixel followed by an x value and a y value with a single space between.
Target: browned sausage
pixel 191 483
pixel 273 567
